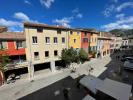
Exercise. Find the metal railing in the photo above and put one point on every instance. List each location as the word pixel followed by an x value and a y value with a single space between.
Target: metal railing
pixel 18 65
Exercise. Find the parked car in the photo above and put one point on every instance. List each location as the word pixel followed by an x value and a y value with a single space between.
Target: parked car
pixel 128 63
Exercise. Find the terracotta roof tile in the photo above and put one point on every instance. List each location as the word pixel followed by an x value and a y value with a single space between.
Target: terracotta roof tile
pixel 12 36
pixel 28 24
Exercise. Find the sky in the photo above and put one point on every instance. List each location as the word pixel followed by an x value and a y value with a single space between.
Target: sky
pixel 102 15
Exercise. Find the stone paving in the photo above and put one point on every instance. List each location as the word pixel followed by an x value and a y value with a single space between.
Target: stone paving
pixel 25 87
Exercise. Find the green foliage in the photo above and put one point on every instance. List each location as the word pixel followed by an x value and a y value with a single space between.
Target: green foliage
pixel 83 56
pixel 4 59
pixel 122 32
pixel 93 53
pixel 69 56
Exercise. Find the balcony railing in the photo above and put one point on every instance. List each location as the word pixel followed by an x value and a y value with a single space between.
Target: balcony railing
pixel 18 65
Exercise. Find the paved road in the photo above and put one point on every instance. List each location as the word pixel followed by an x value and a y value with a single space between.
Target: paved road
pixel 114 65
pixel 18 90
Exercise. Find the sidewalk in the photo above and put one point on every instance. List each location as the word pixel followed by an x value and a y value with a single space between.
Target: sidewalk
pixel 24 87
pixel 97 64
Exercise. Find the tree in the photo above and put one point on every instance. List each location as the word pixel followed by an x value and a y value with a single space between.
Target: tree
pixel 83 56
pixel 122 32
pixel 4 60
pixel 69 56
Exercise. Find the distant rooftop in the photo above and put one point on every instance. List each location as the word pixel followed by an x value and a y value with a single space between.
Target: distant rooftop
pixel 29 24
pixel 12 36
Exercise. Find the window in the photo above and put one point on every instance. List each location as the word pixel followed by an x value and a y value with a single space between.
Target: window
pixel 85 39
pixel 19 44
pixel 1 45
pixel 92 39
pixel 36 55
pixel 55 53
pixel 46 53
pixel 40 30
pixel 74 40
pixel 78 33
pixel 95 39
pixel 85 33
pixel 63 40
pixel 71 32
pixel 47 40
pixel 58 31
pixel 55 40
pixel 34 39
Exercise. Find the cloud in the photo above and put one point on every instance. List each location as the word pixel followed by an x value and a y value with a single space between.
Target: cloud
pixel 125 23
pixel 27 2
pixel 64 21
pixel 120 16
pixel 16 25
pixel 47 3
pixel 107 12
pixel 79 15
pixel 9 23
pixel 21 16
pixel 76 13
pixel 12 25
pixel 124 5
pixel 76 10
pixel 115 1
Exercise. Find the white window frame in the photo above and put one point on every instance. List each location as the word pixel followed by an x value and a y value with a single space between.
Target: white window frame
pixel 55 39
pixel 21 44
pixel 47 41
pixel 34 41
pixel 64 40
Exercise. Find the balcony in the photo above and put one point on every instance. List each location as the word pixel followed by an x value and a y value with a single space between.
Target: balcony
pixel 16 65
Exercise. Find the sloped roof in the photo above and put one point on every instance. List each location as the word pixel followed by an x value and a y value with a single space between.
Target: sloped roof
pixel 12 36
pixel 3 29
pixel 117 90
pixel 91 83
pixel 29 24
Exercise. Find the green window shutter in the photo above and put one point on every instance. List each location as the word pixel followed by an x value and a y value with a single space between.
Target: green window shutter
pixel 24 44
pixel 4 44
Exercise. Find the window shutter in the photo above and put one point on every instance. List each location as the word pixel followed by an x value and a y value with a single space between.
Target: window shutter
pixel 4 44
pixel 24 44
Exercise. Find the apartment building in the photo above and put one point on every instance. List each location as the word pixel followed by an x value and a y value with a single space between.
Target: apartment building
pixel 103 44
pixel 45 43
pixel 112 44
pixel 74 39
pixel 85 40
pixel 130 41
pixel 118 43
pixel 13 45
pixel 93 41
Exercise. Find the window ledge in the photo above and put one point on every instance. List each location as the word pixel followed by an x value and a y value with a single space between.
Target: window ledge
pixel 48 43
pixel 35 43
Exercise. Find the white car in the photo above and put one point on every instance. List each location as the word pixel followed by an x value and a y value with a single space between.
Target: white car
pixel 128 64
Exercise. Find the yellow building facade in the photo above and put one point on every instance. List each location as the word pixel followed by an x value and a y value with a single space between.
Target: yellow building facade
pixel 93 42
pixel 104 44
pixel 74 39
pixel 44 43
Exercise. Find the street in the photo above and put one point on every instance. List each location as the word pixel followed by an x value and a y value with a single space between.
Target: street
pixel 113 67
pixel 103 68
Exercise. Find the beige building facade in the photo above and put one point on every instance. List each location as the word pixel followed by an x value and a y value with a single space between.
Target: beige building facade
pixel 45 43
